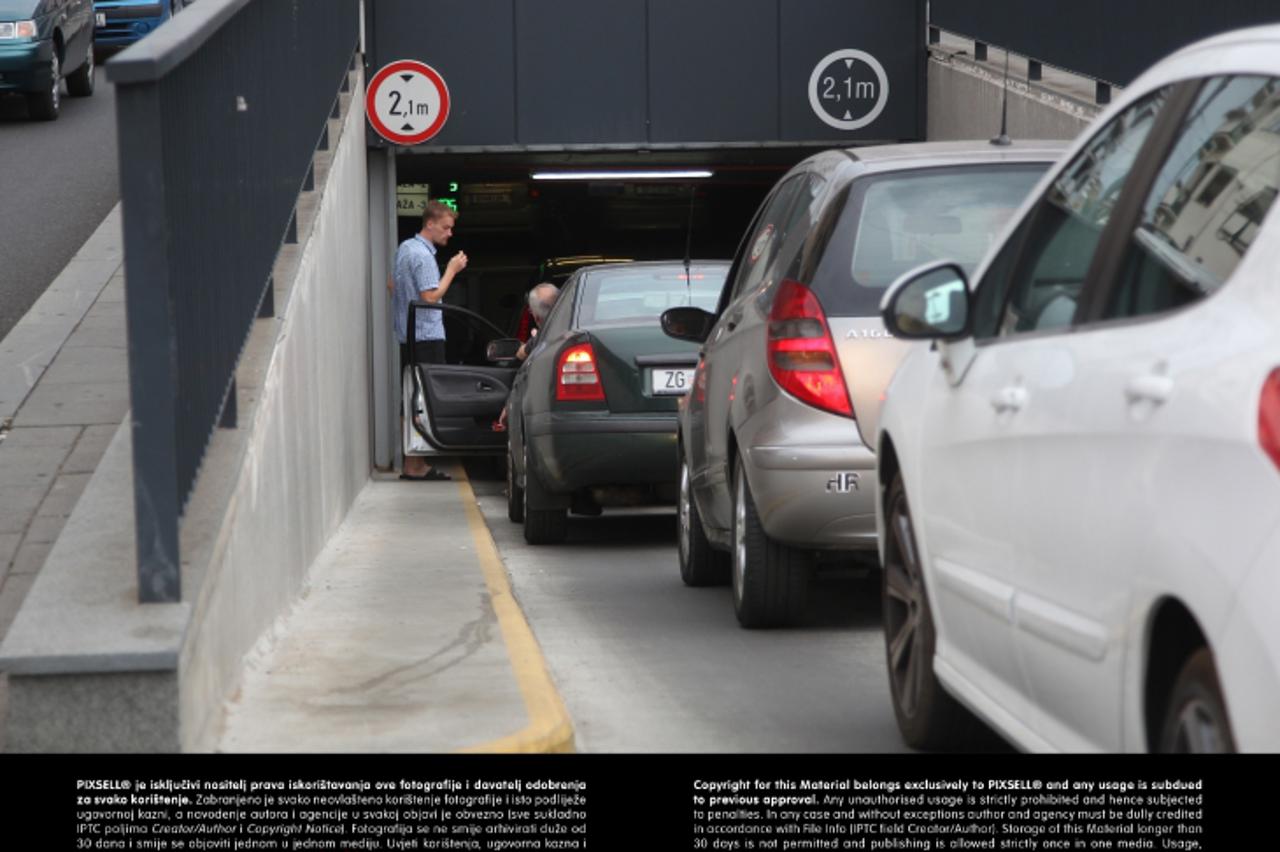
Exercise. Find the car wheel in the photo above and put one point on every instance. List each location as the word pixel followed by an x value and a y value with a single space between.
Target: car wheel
pixel 80 81
pixel 1196 721
pixel 515 494
pixel 45 105
pixel 928 717
pixel 700 564
pixel 770 580
pixel 541 526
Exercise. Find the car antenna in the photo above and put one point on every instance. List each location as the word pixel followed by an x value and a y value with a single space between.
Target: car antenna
pixel 1003 139
pixel 688 244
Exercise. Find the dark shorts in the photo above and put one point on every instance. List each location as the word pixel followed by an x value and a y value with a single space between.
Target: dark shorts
pixel 429 352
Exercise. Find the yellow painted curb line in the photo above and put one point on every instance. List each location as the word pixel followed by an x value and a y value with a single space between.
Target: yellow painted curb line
pixel 549 728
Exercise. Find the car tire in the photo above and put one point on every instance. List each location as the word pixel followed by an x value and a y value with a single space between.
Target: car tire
pixel 1195 720
pixel 45 106
pixel 700 563
pixel 770 580
pixel 515 494
pixel 541 525
pixel 80 81
pixel 928 717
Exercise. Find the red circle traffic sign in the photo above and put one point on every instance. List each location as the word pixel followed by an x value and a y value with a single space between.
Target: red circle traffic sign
pixel 407 102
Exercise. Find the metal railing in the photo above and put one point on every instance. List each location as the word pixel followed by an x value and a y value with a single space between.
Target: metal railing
pixel 219 114
pixel 1108 41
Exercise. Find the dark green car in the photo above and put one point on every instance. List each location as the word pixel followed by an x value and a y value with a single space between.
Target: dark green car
pixel 592 412
pixel 41 43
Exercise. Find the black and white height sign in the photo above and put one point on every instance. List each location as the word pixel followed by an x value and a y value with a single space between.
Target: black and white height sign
pixel 848 89
pixel 407 102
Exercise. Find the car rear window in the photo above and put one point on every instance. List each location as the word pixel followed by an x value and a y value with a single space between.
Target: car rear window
pixel 892 223
pixel 643 293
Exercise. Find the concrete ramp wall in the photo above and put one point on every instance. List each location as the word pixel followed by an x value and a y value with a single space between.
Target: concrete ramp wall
pixel 305 383
pixel 965 97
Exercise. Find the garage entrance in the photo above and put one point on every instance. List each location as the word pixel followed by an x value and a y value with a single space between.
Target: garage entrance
pixel 743 89
pixel 514 228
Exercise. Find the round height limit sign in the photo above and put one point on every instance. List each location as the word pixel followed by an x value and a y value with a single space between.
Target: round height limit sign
pixel 407 102
pixel 848 89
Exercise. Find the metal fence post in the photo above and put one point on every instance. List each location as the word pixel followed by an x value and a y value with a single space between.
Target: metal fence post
pixel 152 356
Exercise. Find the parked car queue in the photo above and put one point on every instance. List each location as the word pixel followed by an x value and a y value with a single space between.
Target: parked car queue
pixel 1069 457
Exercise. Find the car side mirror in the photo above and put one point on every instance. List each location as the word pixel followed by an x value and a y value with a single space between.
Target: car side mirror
pixel 928 303
pixel 503 349
pixel 687 323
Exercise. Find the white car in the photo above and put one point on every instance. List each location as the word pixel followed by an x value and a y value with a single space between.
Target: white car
pixel 1080 504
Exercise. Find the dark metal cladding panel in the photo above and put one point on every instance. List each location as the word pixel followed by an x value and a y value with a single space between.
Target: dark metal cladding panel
pixel 1103 39
pixel 633 73
pixel 891 32
pixel 713 70
pixel 580 68
pixel 471 43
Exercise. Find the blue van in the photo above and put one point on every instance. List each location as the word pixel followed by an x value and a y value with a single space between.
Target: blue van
pixel 119 23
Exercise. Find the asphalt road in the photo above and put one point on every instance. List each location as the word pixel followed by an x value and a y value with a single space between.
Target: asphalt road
pixel 645 664
pixel 58 180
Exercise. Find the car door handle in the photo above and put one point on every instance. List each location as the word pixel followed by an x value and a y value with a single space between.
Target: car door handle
pixel 1148 388
pixel 483 386
pixel 1009 399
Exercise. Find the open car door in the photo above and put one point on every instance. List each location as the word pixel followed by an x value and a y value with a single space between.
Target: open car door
pixel 451 408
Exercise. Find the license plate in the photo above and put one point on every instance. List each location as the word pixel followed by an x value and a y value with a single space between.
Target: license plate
pixel 100 19
pixel 672 380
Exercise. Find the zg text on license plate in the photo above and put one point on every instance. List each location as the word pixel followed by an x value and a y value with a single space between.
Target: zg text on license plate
pixel 672 380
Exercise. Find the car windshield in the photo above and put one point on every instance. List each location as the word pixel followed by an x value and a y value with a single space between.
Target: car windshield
pixel 640 293
pixel 917 217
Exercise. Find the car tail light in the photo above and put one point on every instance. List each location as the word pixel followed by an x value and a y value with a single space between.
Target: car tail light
pixel 577 378
pixel 802 356
pixel 1269 417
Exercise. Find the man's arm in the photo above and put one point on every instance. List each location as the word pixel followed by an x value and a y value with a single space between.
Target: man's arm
pixel 456 264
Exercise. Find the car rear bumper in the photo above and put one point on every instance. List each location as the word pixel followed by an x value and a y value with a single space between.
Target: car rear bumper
pixel 580 450
pixel 26 67
pixel 815 496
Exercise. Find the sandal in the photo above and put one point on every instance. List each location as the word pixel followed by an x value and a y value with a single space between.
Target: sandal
pixel 432 475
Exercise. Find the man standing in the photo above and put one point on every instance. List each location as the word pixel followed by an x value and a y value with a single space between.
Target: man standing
pixel 417 277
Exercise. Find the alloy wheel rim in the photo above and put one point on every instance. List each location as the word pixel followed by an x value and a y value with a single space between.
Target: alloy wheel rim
pixel 904 589
pixel 739 538
pixel 1197 730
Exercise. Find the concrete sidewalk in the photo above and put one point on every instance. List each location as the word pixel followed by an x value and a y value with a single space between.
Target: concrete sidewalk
pixel 406 636
pixel 407 639
pixel 63 393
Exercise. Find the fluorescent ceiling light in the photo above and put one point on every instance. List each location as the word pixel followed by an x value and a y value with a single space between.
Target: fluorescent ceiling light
pixel 648 174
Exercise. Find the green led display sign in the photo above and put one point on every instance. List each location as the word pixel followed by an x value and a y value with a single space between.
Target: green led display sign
pixel 412 198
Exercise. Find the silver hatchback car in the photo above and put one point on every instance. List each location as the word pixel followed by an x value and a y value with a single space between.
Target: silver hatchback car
pixel 776 435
